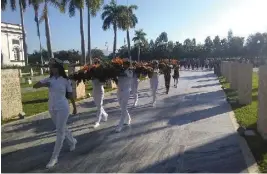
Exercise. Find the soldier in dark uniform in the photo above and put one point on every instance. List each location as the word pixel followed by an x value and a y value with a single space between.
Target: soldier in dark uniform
pixel 176 75
pixel 167 77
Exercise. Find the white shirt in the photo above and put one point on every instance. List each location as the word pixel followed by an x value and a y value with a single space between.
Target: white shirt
pixel 57 92
pixel 124 82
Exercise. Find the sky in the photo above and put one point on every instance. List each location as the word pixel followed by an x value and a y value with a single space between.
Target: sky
pixel 181 19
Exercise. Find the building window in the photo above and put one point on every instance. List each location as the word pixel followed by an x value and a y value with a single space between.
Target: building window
pixel 16 54
pixel 15 42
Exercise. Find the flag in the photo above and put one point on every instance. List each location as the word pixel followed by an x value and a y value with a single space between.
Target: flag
pixel 37 22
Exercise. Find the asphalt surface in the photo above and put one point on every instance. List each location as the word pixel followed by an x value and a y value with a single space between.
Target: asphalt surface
pixel 189 130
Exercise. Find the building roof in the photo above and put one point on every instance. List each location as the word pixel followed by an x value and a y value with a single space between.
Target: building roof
pixel 10 23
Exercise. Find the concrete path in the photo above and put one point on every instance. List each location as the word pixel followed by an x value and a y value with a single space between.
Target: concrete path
pixel 189 130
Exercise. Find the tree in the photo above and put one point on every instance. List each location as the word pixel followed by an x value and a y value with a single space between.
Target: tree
pixel 73 5
pixel 22 8
pixel 111 16
pixel 128 20
pixel 97 53
pixel 93 6
pixel 44 17
pixel 139 39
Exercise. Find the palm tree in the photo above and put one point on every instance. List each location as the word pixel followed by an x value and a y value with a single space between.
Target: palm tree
pixel 93 6
pixel 111 16
pixel 22 8
pixel 73 5
pixel 44 17
pixel 139 39
pixel 129 20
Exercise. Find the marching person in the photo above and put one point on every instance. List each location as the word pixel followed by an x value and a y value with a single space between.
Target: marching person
pixel 134 88
pixel 154 80
pixel 98 95
pixel 123 94
pixel 176 75
pixel 167 77
pixel 59 90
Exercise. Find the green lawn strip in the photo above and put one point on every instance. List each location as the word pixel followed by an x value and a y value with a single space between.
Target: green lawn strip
pixel 247 116
pixel 36 102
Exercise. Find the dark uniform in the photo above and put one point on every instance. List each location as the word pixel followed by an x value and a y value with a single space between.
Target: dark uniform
pixel 176 75
pixel 167 77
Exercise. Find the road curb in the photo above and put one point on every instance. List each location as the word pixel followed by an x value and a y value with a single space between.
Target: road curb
pixel 252 166
pixel 251 163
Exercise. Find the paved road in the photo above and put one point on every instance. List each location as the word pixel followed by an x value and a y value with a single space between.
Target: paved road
pixel 189 130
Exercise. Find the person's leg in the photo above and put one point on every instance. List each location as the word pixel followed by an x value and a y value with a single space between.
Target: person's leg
pixel 61 117
pixel 124 97
pixel 135 92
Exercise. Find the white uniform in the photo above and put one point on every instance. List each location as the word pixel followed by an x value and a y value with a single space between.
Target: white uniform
pixel 123 94
pixel 98 95
pixel 135 88
pixel 154 81
pixel 59 111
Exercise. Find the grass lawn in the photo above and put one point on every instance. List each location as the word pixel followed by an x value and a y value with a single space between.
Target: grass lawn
pixel 247 117
pixel 36 102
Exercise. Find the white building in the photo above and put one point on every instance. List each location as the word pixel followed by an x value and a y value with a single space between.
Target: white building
pixel 12 52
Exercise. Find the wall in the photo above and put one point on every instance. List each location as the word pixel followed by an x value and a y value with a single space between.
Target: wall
pixel 11 94
pixel 8 33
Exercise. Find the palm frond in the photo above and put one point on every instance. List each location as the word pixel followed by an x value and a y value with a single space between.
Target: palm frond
pixel 107 23
pixel 13 5
pixel 72 8
pixel 3 4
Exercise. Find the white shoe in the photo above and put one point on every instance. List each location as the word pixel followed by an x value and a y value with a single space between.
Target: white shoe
pixel 105 117
pixel 51 163
pixel 73 146
pixel 96 125
pixel 118 129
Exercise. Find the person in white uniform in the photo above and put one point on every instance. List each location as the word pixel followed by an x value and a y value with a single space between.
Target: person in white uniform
pixel 98 95
pixel 123 94
pixel 134 87
pixel 59 90
pixel 154 80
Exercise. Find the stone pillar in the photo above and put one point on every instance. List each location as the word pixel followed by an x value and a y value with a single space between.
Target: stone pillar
pixel 78 89
pixel 31 72
pixel 111 84
pixel 262 106
pixel 10 94
pixel 234 75
pixel 245 83
pixel 42 71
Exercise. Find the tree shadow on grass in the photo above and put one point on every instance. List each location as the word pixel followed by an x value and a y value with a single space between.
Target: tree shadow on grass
pixel 36 101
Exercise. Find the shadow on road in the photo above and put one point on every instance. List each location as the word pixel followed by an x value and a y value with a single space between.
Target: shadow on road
pixel 221 155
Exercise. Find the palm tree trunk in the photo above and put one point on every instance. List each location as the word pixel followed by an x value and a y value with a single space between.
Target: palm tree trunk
pixel 138 54
pixel 48 35
pixel 83 59
pixel 89 35
pixel 25 48
pixel 115 41
pixel 129 45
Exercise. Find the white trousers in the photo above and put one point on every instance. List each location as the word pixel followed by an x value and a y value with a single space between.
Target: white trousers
pixel 135 89
pixel 60 118
pixel 154 86
pixel 98 95
pixel 123 97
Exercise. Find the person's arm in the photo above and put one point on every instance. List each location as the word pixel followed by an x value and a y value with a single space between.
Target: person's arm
pixel 42 83
pixel 70 97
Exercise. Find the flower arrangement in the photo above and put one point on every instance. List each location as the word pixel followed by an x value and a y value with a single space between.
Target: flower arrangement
pixel 106 70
